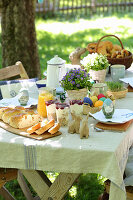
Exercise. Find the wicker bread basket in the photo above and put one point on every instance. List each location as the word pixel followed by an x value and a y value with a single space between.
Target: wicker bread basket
pixel 127 61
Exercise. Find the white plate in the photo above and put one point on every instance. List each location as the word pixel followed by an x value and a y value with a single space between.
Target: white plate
pixel 128 80
pixel 119 116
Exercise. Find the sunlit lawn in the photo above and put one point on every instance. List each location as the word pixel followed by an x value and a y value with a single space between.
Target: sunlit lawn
pixel 60 37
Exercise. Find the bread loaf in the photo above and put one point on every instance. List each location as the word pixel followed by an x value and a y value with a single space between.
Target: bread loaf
pixel 108 48
pixel 29 111
pixel 24 120
pixel 3 110
pixel 19 107
pixel 6 116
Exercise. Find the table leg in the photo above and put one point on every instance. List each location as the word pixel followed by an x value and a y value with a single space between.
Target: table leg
pixel 47 190
pixel 60 186
pixel 38 181
pixel 24 186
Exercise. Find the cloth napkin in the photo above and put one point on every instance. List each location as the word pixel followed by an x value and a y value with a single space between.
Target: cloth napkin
pixel 128 80
pixel 14 102
pixel 9 89
pixel 119 116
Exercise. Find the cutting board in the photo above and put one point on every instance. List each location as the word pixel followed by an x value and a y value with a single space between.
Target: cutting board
pixel 114 127
pixel 23 132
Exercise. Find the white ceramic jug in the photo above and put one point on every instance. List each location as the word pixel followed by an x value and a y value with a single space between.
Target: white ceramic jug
pixel 55 68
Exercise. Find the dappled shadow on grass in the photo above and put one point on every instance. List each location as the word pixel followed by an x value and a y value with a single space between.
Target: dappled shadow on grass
pixel 88 186
pixel 128 43
pixel 62 45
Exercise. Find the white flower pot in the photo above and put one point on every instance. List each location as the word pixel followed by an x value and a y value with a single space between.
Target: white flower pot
pixel 98 76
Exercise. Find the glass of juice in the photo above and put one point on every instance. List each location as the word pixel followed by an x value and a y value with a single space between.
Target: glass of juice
pixel 45 94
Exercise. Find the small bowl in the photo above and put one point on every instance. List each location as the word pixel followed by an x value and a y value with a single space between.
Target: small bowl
pixel 41 83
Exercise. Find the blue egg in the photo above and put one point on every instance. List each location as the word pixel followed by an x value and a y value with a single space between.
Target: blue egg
pixel 108 102
pixel 87 101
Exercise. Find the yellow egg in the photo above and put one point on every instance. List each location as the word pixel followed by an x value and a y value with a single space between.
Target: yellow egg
pixel 94 99
pixel 98 103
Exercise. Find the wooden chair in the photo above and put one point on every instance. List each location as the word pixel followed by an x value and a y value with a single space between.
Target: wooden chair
pixel 10 174
pixel 13 71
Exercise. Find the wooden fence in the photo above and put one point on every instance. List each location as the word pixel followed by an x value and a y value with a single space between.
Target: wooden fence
pixel 87 7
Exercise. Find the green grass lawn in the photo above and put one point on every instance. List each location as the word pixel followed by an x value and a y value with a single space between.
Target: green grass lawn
pixel 60 36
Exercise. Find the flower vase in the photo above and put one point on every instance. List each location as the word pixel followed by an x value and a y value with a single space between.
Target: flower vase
pixel 98 76
pixel 77 94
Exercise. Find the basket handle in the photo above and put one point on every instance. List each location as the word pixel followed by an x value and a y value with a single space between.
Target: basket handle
pixel 109 36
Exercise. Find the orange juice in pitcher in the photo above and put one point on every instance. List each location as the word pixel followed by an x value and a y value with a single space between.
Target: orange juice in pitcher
pixel 44 95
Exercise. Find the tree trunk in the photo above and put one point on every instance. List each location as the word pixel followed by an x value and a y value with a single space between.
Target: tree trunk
pixel 19 35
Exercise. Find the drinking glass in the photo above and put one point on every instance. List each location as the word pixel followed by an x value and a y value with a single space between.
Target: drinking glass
pixel 45 94
pixel 117 72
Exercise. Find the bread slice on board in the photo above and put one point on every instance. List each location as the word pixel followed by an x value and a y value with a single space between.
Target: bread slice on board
pixel 45 127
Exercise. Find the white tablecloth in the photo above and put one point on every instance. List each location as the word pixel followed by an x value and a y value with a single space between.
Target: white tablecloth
pixel 104 152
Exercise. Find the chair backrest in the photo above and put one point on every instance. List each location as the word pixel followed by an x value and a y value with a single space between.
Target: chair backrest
pixel 12 71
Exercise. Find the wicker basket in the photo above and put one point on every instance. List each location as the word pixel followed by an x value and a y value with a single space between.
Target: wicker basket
pixel 87 109
pixel 119 94
pixel 127 61
pixel 77 94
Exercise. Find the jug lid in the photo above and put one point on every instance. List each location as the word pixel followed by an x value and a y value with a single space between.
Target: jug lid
pixel 56 61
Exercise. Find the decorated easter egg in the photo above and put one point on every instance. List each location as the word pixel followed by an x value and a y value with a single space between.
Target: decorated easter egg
pixel 100 96
pixel 94 99
pixel 102 99
pixel 87 101
pixel 23 96
pixel 98 103
pixel 108 108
